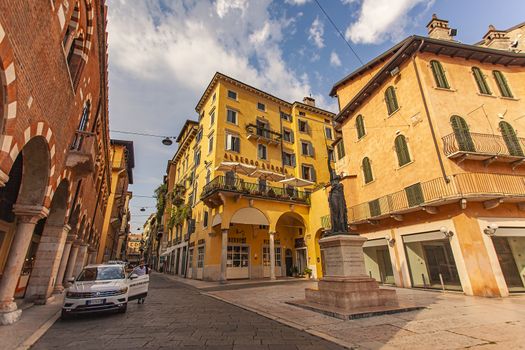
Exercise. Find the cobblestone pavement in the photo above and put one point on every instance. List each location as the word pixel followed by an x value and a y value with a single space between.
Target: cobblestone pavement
pixel 178 317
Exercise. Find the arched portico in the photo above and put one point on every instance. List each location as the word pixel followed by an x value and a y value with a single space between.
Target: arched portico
pixel 290 233
pixel 24 195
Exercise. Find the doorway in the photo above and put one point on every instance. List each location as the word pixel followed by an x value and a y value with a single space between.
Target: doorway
pixel 302 260
pixel 289 263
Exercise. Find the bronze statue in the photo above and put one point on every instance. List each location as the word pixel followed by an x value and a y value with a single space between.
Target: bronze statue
pixel 337 204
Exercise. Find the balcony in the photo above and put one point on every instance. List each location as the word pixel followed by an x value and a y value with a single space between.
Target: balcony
pixel 82 154
pixel 236 186
pixel 262 134
pixel 491 189
pixel 484 147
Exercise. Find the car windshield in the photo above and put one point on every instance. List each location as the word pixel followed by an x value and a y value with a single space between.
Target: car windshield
pixel 102 273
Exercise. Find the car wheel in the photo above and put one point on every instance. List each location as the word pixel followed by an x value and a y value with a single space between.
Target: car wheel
pixel 64 315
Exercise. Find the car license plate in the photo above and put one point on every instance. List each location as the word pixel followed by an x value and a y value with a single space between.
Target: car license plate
pixel 95 302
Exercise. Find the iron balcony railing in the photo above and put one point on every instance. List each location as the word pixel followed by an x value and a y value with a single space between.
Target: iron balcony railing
pixel 263 133
pixel 437 191
pixel 486 144
pixel 237 185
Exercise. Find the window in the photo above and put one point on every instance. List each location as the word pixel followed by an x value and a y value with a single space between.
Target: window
pixel 210 144
pixel 191 199
pixel 510 138
pixel 303 126
pixel 198 138
pixel 414 195
pixel 288 135
pixel 261 106
pixel 375 207
pixel 197 156
pixel 286 116
pixel 308 172
pixel 502 84
pixel 237 256
pixel 302 113
pixel 403 157
pixel 208 176
pixel 231 116
pixel 289 159
pixel 266 256
pixel 82 126
pixel 328 132
pixel 439 74
pixel 200 257
pixel 481 81
pixel 190 259
pixel 212 118
pixel 462 134
pixel 367 170
pixel 214 97
pixel 232 95
pixel 360 126
pixel 205 219
pixel 233 143
pixel 331 155
pixel 307 149
pixel 391 100
pixel 261 152
pixel 340 149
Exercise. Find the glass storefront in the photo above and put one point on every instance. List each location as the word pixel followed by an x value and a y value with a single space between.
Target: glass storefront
pixel 511 256
pixel 377 261
pixel 237 262
pixel 431 262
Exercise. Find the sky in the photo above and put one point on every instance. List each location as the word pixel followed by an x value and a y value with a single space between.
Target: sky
pixel 163 54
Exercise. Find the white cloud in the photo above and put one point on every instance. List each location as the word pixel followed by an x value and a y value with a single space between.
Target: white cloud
pixel 297 2
pixel 380 20
pixel 349 2
pixel 316 33
pixel 335 61
pixel 224 6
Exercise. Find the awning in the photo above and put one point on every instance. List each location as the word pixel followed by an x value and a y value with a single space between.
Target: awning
pixel 168 251
pixel 427 236
pixel 296 182
pixel 239 168
pixel 375 243
pixel 510 232
pixel 267 175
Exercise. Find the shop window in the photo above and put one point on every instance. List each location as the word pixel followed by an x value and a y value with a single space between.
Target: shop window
pixel 266 256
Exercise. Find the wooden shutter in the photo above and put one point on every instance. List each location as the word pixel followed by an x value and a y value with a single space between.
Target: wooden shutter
pixel 439 74
pixel 360 126
pixel 414 195
pixel 292 136
pixel 375 207
pixel 462 134
pixel 511 140
pixel 311 150
pixel 481 82
pixel 367 170
pixel 502 84
pixel 403 156
pixel 391 100
pixel 292 156
pixel 312 172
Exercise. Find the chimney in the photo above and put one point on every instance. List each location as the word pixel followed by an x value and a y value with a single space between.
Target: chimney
pixel 439 29
pixel 309 101
pixel 496 39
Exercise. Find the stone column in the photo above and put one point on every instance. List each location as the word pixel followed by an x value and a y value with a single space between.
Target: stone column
pixel 47 262
pixel 59 283
pixel 81 259
pixel 27 217
pixel 71 263
pixel 272 255
pixel 224 254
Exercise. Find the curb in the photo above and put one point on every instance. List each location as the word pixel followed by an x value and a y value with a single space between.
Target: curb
pixel 286 322
pixel 29 342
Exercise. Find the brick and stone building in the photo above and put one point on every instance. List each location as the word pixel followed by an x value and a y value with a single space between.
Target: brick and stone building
pixel 54 145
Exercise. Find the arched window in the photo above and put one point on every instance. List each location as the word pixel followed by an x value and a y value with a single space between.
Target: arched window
pixel 403 156
pixel 502 84
pixel 481 81
pixel 360 126
pixel 82 127
pixel 391 100
pixel 439 74
pixel 462 134
pixel 367 170
pixel 510 138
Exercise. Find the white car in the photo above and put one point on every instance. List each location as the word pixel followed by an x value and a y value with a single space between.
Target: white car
pixel 103 288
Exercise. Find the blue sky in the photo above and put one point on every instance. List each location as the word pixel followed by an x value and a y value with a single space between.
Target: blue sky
pixel 163 53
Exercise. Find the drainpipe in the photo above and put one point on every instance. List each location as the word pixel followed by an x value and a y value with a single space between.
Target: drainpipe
pixel 432 131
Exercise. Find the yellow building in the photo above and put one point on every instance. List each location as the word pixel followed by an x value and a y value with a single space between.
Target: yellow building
pixel 434 166
pixel 117 216
pixel 226 208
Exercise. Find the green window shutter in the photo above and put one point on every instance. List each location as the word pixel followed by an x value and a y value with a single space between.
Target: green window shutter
pixel 439 75
pixel 403 156
pixel 502 84
pixel 511 139
pixel 391 100
pixel 481 82
pixel 367 170
pixel 375 207
pixel 360 126
pixel 414 195
pixel 462 134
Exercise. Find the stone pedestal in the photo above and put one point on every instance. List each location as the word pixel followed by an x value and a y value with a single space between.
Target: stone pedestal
pixel 346 291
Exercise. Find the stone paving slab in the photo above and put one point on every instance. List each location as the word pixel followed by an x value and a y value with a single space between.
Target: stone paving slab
pixel 176 316
pixel 448 320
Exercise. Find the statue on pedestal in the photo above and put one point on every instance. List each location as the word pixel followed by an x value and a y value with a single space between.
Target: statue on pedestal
pixel 337 205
